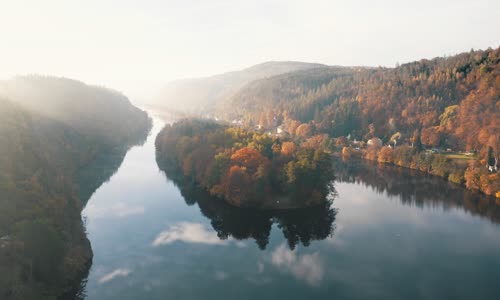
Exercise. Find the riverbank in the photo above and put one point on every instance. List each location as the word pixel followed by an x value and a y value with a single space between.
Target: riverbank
pixel 472 175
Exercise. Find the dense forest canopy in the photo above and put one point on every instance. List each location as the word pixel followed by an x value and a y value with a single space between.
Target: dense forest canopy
pixel 247 168
pixel 52 129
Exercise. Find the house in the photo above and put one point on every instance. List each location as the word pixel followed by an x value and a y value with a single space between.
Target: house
pixel 4 241
pixel 375 142
pixel 494 167
pixel 237 122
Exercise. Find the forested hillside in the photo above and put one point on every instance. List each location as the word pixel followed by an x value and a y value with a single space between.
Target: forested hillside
pixel 449 102
pixel 284 89
pixel 201 95
pixel 43 248
pixel 100 113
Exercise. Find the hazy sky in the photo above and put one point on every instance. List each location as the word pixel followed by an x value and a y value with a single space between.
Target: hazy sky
pixel 135 46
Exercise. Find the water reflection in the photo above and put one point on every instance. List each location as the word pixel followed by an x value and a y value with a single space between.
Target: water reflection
pixel 103 167
pixel 88 179
pixel 415 188
pixel 115 274
pixel 116 210
pixel 298 225
pixel 304 225
pixel 187 232
pixel 306 267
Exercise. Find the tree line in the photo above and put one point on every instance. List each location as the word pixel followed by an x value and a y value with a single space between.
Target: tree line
pixel 470 173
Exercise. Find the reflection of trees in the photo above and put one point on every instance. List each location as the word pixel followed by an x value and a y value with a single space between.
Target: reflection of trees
pixel 306 225
pixel 298 225
pixel 104 166
pixel 415 188
pixel 99 171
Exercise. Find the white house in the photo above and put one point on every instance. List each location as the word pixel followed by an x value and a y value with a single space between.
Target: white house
pixel 375 142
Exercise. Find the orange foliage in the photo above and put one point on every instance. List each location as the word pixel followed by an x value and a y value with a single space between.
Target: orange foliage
pixel 237 186
pixel 292 126
pixel 341 140
pixel 288 148
pixel 316 142
pixel 371 153
pixel 386 155
pixel 431 136
pixel 304 130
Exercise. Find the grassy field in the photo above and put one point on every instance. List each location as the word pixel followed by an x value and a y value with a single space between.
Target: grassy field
pixel 459 158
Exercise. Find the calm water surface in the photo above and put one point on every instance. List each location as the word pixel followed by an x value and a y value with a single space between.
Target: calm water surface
pixel 387 235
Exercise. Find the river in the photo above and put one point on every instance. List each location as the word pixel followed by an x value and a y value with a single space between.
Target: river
pixel 387 235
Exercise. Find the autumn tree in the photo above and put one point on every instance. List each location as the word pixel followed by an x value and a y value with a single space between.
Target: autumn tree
pixel 319 141
pixel 341 141
pixel 288 148
pixel 386 155
pixel 292 126
pixel 430 136
pixel 238 186
pixel 304 130
pixel 249 158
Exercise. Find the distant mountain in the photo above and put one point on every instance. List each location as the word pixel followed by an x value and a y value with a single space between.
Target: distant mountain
pixel 284 90
pixel 201 95
pixel 52 130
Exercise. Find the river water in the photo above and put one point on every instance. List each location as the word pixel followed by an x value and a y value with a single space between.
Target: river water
pixel 388 235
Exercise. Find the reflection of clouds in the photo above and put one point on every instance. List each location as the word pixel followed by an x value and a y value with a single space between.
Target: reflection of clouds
pixel 189 233
pixel 240 244
pixel 260 278
pixel 305 267
pixel 359 207
pixel 116 210
pixel 116 273
pixel 219 275
pixel 260 267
